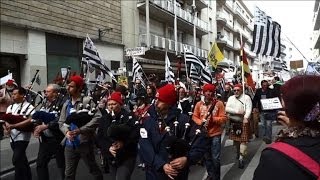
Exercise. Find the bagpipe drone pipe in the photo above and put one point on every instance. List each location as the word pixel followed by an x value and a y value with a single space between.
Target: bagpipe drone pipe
pixel 177 137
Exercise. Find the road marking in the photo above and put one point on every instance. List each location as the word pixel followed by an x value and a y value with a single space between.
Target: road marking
pixel 249 171
pixel 224 169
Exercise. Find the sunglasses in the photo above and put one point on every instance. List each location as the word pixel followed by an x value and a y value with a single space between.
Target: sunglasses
pixel 236 90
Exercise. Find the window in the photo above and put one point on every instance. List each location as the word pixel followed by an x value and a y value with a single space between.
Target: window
pixel 115 65
pixel 62 51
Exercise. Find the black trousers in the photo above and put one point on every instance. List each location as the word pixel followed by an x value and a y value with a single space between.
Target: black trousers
pixel 48 148
pixel 20 160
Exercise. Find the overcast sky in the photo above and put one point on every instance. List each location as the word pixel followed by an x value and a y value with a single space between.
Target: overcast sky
pixel 295 18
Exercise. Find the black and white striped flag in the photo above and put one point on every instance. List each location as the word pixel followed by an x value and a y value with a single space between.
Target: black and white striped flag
pixel 206 76
pixel 137 71
pixel 169 76
pixel 191 58
pixel 194 75
pixel 92 57
pixel 266 35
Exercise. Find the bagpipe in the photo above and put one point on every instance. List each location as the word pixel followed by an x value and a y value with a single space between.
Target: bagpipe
pixel 85 112
pixel 15 119
pixel 176 141
pixel 204 124
pixel 120 130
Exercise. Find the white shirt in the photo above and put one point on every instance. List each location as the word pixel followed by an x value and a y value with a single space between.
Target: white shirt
pixel 234 106
pixel 14 109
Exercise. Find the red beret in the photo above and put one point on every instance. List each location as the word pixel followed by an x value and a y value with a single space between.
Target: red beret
pixel 11 82
pixel 209 87
pixel 238 86
pixel 78 80
pixel 167 94
pixel 116 96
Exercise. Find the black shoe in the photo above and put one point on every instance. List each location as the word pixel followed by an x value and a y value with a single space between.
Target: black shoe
pixel 267 140
pixel 240 164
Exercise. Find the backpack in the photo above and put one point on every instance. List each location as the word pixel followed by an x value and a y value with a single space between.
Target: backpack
pixel 298 156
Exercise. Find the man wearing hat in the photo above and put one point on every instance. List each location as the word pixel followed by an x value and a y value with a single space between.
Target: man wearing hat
pixel 78 141
pixel 117 138
pixel 164 139
pixel 215 119
pixel 239 105
pixel 5 99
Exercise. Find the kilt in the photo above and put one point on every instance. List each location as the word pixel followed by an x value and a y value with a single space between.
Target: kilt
pixel 244 136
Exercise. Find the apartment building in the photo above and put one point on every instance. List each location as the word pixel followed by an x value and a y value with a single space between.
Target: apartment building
pixel 49 35
pixel 159 26
pixel 234 19
pixel 316 31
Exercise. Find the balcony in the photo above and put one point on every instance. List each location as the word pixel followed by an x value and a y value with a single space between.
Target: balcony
pixel 163 11
pixel 222 18
pixel 224 41
pixel 240 17
pixel 161 43
pixel 200 4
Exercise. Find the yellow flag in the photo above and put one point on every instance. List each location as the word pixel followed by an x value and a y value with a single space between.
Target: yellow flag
pixel 215 55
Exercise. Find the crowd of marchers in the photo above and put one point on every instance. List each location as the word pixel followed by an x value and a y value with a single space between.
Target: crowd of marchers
pixel 163 128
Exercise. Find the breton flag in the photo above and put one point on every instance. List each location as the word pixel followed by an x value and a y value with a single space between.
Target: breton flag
pixel 266 35
pixel 191 58
pixel 92 57
pixel 215 55
pixel 245 67
pixel 136 71
pixel 194 75
pixel 206 76
pixel 169 76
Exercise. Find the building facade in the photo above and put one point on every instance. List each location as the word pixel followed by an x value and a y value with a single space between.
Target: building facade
pixel 316 31
pixel 49 35
pixel 167 26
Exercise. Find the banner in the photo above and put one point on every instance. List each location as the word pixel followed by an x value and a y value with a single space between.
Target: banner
pixel 4 79
pixel 123 80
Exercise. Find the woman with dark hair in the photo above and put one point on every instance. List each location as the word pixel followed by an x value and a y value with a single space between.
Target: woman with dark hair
pixel 151 93
pixel 296 152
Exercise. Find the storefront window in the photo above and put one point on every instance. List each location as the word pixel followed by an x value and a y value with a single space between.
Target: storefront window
pixel 62 51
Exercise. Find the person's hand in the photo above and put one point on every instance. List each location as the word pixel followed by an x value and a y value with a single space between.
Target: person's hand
pixel 282 118
pixel 39 129
pixel 70 135
pixel 245 120
pixel 6 131
pixel 117 144
pixel 179 163
pixel 76 131
pixel 113 151
pixel 170 171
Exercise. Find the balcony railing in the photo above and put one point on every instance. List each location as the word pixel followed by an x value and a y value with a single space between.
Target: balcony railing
pixel 169 44
pixel 183 14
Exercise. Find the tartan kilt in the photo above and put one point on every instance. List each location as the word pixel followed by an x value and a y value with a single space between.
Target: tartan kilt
pixel 244 136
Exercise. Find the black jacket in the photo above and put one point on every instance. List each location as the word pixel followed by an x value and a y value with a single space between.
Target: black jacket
pixel 257 97
pixel 122 129
pixel 156 145
pixel 275 165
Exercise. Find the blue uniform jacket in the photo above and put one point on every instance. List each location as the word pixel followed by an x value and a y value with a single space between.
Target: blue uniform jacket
pixel 153 142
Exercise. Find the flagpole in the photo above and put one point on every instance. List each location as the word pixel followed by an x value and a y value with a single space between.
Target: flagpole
pixel 185 61
pixel 241 62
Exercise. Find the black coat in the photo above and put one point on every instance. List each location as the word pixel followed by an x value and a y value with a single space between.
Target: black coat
pixel 154 144
pixel 275 165
pixel 257 97
pixel 122 129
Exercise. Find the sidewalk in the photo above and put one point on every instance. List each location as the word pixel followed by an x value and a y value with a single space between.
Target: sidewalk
pixel 6 154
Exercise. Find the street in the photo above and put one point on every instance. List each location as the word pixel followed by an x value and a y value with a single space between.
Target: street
pixel 229 166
